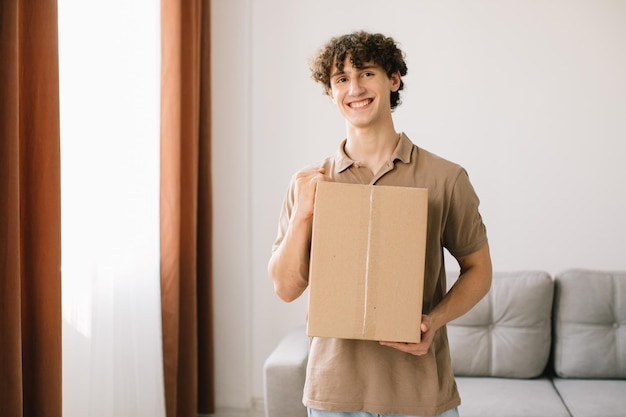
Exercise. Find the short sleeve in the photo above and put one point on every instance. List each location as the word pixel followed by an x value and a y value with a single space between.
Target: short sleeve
pixel 285 215
pixel 464 231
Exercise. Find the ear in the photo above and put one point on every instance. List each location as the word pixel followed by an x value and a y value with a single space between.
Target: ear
pixel 329 91
pixel 395 81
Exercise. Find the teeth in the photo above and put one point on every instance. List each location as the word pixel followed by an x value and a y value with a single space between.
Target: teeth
pixel 360 103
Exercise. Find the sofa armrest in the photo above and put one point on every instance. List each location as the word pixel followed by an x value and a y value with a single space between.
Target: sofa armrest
pixel 284 374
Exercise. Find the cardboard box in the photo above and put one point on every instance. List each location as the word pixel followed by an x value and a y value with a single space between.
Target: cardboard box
pixel 366 277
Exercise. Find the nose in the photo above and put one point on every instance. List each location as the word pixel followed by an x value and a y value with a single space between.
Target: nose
pixel 355 87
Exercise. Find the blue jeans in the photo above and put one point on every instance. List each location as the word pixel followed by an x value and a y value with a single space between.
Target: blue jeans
pixel 321 413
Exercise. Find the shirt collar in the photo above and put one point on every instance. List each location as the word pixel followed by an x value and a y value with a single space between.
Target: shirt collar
pixel 401 153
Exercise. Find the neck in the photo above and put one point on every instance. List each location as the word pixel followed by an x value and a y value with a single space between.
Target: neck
pixel 372 148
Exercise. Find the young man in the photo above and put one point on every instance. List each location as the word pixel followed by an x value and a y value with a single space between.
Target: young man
pixel 362 74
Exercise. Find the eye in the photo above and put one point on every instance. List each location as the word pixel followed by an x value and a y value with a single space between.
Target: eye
pixel 368 74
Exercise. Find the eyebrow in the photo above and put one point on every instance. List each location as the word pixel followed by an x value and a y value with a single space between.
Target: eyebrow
pixel 364 67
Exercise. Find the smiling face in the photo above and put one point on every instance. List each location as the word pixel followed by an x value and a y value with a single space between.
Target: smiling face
pixel 360 49
pixel 362 94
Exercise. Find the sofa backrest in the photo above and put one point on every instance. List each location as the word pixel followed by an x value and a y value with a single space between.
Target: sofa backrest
pixel 590 324
pixel 508 333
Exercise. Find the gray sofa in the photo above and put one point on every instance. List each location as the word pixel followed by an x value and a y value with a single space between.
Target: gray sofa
pixel 535 346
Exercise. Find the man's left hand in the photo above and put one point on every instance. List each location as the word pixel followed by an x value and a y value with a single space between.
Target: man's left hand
pixel 417 349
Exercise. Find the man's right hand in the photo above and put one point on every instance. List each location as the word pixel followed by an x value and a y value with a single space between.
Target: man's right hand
pixel 305 186
pixel 289 265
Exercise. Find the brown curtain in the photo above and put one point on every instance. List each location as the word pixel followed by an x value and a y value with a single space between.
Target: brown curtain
pixel 30 210
pixel 186 268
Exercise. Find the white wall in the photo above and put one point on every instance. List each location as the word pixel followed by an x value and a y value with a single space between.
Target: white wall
pixel 231 162
pixel 529 96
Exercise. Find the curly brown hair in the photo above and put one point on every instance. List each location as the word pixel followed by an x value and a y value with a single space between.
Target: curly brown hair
pixel 363 48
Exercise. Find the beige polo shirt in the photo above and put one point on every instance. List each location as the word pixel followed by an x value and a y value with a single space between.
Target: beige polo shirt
pixel 356 375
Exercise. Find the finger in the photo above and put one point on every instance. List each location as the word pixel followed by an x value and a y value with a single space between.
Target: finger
pixel 399 345
pixel 407 347
pixel 309 173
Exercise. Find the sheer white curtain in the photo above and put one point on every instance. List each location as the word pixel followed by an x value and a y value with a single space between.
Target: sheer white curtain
pixel 109 56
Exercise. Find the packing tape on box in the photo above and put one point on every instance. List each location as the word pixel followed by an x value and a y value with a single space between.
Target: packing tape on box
pixel 367 260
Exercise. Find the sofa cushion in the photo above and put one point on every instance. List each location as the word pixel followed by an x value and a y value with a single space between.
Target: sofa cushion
pixel 590 324
pixel 585 397
pixel 506 397
pixel 507 334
